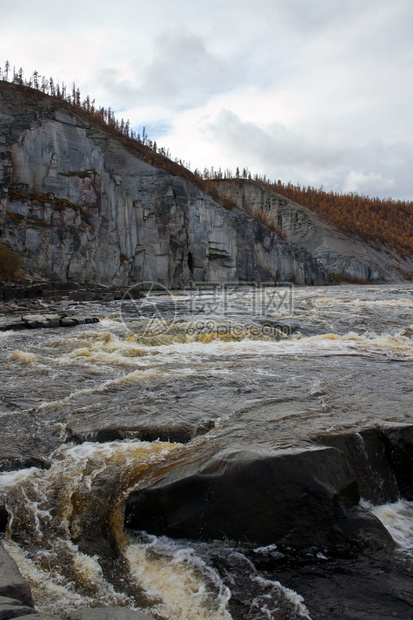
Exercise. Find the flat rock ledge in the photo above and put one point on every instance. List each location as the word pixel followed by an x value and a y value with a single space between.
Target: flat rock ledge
pixel 36 321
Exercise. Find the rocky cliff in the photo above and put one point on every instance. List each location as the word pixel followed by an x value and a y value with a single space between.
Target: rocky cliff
pixel 348 258
pixel 78 206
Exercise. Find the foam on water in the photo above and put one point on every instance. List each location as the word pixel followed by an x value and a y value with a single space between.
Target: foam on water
pixel 15 478
pixel 270 603
pixel 398 519
pixel 396 346
pixel 51 508
pixel 52 593
pixel 186 588
pixel 25 357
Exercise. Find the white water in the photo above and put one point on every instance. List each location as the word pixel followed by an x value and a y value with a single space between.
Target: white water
pixel 398 519
pixel 347 365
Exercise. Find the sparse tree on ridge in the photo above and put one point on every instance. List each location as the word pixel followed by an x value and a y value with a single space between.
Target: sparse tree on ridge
pixel 383 222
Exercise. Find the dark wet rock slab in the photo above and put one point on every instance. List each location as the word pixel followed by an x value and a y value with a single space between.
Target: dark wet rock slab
pixel 47 320
pixel 299 497
pixel 4 518
pixel 401 457
pixel 11 608
pixel 178 433
pixel 303 496
pixel 363 588
pixel 370 457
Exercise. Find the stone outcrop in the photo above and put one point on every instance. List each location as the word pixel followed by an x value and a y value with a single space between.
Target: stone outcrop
pixel 13 587
pixel 346 257
pixel 373 586
pixel 37 321
pixel 299 496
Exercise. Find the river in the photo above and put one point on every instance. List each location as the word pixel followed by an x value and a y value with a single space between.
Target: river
pixel 90 409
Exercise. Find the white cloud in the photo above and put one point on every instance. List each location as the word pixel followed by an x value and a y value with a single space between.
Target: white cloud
pixel 315 92
pixel 357 181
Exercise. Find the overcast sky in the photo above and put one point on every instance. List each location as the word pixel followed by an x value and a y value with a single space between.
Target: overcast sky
pixel 318 92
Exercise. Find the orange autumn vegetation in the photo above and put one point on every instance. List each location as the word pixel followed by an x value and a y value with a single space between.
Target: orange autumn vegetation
pixel 385 223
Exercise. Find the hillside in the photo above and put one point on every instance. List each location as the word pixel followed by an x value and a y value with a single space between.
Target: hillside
pixel 85 200
pixel 385 224
pixel 345 254
pixel 79 204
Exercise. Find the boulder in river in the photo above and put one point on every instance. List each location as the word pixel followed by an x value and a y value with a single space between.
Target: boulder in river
pixel 297 497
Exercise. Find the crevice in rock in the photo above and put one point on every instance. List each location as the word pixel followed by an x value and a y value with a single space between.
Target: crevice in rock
pixel 183 435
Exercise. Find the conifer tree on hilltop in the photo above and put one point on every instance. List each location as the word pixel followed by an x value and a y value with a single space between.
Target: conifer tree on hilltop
pixel 384 223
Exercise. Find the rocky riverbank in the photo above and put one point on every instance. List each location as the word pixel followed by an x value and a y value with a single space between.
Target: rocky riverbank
pixel 20 297
pixel 47 321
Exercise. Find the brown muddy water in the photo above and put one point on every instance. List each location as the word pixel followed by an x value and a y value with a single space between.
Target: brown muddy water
pixel 91 408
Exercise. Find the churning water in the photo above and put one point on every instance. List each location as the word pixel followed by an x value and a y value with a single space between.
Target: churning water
pixel 92 408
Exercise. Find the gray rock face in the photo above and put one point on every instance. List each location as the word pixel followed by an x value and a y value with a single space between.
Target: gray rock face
pixel 77 206
pixel 346 257
pixel 10 608
pixel 13 585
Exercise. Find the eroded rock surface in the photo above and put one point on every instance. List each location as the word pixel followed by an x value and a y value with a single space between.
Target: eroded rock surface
pixel 300 497
pixel 12 585
pixel 232 485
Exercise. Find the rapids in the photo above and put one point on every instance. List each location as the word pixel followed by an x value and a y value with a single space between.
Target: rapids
pixel 84 412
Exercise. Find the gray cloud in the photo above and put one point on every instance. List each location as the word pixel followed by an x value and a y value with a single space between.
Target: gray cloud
pixel 374 168
pixel 346 66
pixel 182 73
